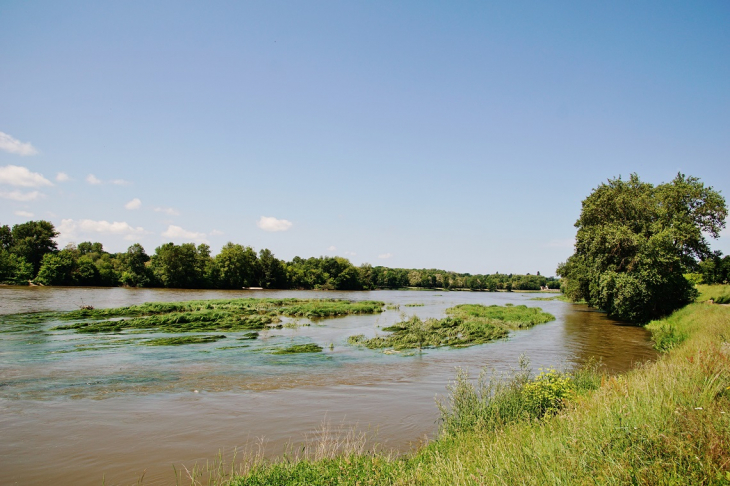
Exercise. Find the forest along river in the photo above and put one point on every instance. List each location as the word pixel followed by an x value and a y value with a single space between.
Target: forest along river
pixel 72 415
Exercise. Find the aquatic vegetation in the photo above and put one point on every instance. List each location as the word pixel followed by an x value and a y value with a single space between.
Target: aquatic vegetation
pixel 180 340
pixel 26 322
pixel 300 348
pixel 414 305
pixel 228 315
pixel 248 336
pixel 196 321
pixel 514 316
pixel 330 308
pixel 296 324
pixel 467 325
pixel 392 307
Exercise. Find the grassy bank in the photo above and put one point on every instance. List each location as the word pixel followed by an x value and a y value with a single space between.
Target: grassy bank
pixel 720 294
pixel 667 422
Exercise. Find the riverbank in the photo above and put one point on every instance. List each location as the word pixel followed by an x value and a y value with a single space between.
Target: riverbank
pixel 667 422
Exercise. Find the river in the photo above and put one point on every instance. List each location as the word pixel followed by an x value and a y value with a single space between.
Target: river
pixel 73 413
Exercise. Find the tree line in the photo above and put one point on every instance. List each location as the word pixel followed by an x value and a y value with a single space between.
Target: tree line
pixel 30 255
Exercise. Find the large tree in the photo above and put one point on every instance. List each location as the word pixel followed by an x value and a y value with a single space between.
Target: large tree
pixel 636 240
pixel 32 240
pixel 185 266
pixel 237 266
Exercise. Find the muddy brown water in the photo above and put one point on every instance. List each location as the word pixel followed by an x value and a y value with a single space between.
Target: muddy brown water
pixel 75 413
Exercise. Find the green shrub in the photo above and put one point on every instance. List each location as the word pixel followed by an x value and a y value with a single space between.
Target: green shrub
pixel 548 392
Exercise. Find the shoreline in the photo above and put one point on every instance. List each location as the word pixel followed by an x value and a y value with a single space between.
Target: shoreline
pixel 656 404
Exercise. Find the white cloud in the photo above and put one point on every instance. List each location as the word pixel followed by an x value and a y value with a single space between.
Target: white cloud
pixel 134 204
pixel 69 228
pixel 272 224
pixel 20 196
pixel 179 233
pixel 350 253
pixel 170 211
pixel 216 232
pixel 95 181
pixel 16 175
pixel 332 248
pixel 25 214
pixel 15 146
pixel 62 177
pixel 385 255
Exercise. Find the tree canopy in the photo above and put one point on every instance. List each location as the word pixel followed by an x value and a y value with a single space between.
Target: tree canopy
pixel 635 242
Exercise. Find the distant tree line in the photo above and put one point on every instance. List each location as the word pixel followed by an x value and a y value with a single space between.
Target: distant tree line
pixel 29 254
pixel 715 269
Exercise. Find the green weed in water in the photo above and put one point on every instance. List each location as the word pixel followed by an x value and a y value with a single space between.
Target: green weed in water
pixel 228 315
pixel 180 340
pixel 467 325
pixel 300 348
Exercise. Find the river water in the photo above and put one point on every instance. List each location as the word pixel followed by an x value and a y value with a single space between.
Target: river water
pixel 73 412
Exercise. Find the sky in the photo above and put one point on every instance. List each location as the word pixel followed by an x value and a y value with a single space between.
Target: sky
pixel 453 135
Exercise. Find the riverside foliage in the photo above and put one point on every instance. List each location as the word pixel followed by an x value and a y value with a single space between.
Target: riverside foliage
pixel 28 253
pixel 635 243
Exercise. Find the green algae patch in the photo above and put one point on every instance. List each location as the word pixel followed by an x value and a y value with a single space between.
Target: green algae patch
pixel 466 325
pixel 512 316
pixel 227 315
pixel 300 348
pixel 180 340
pixel 27 322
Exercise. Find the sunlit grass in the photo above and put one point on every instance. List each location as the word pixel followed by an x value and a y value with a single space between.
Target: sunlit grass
pixel 720 294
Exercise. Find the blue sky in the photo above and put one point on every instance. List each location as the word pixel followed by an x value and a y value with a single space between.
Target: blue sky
pixel 454 135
